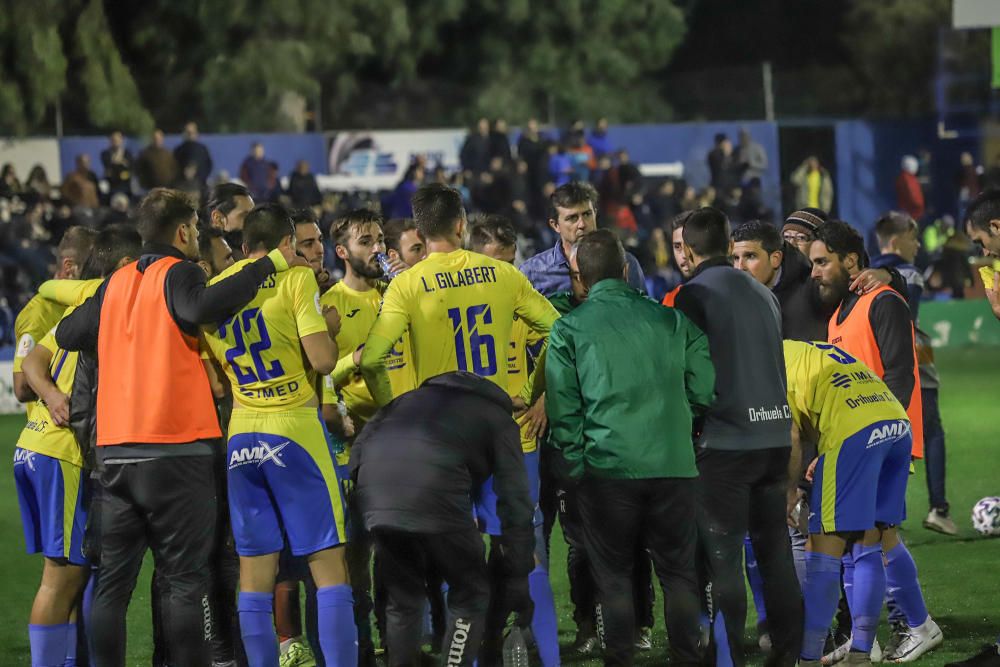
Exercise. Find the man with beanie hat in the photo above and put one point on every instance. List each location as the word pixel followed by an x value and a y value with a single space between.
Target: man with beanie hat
pixel 800 227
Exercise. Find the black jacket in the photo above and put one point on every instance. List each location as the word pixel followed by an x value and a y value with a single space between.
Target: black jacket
pixel 803 316
pixel 742 320
pixel 422 457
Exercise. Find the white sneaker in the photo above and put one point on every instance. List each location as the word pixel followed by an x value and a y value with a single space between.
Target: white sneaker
pixel 917 641
pixel 940 521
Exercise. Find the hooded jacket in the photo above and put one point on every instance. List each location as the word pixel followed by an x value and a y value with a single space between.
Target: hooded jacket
pixel 419 461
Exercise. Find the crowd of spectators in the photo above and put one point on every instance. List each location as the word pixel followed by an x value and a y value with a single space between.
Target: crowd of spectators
pixel 497 175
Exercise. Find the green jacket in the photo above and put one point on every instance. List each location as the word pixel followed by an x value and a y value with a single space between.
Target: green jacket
pixel 623 375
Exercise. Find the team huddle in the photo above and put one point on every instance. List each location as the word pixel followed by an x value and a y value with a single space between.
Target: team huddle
pixel 377 427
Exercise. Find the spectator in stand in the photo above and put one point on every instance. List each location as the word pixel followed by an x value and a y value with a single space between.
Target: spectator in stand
pixel 117 161
pixel 118 210
pixel 493 195
pixel 969 180
pixel 813 185
pixel 909 194
pixel 303 189
pixel 10 187
pixel 582 157
pixel 576 129
pixel 189 183
pixel 951 271
pixel 751 205
pixel 531 148
pixel 258 174
pixel 722 165
pixel 500 142
pixel 191 151
pixel 751 157
pixel 664 205
pixel 37 186
pixel 475 153
pixel 399 201
pixel 620 182
pixel 598 140
pixel 156 166
pixel 79 188
pixel 560 165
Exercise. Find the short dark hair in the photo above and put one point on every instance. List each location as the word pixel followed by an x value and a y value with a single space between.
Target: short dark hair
pixel 678 221
pixel 599 255
pixel 206 234
pixel 764 233
pixel 893 223
pixel 303 216
pixel 436 208
pixel 77 241
pixel 340 229
pixel 486 229
pixel 393 232
pixel 571 194
pixel 983 209
pixel 266 225
pixel 113 244
pixel 842 239
pixel 707 232
pixel 223 198
pixel 161 212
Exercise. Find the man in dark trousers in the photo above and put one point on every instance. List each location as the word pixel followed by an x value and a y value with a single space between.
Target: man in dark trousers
pixel 156 422
pixel 416 465
pixel 636 466
pixel 744 446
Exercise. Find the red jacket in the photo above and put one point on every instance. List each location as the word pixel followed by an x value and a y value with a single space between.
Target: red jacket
pixel 909 196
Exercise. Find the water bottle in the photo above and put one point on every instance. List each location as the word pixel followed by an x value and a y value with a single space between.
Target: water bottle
pixel 383 261
pixel 515 649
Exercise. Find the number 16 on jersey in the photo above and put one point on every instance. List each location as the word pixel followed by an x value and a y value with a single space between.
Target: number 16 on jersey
pixel 470 342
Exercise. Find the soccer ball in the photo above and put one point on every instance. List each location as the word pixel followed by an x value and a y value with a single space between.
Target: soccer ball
pixel 986 516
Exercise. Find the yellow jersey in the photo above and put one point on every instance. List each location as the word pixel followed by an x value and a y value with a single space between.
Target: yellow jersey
pixel 358 311
pixel 459 308
pixel 40 434
pixel 35 320
pixel 521 338
pixel 259 347
pixel 69 292
pixel 835 393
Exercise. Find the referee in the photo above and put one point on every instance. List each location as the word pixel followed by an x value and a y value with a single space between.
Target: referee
pixel 156 423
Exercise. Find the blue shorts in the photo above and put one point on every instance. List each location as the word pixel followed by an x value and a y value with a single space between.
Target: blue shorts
pixel 282 476
pixel 485 504
pixel 863 482
pixel 53 499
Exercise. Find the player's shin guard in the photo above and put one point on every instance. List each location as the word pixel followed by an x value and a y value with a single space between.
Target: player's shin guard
pixel 48 645
pixel 338 634
pixel 257 628
pixel 901 573
pixel 868 593
pixel 821 593
pixel 70 660
pixel 543 623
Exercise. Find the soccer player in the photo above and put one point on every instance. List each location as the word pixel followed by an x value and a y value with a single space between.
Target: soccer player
pixel 677 246
pixel 281 468
pixel 39 315
pixel 494 236
pixel 51 480
pixel 227 208
pixel 458 306
pixel 572 213
pixel 982 223
pixel 859 486
pixel 157 480
pixel 877 329
pixel 403 242
pixel 899 241
pixel 309 244
pixel 214 253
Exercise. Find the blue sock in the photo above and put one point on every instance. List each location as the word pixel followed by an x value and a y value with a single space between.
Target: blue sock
pixel 869 591
pixel 257 628
pixel 723 656
pixel 848 573
pixel 901 575
pixel 70 645
pixel 821 594
pixel 48 645
pixel 338 634
pixel 756 583
pixel 543 623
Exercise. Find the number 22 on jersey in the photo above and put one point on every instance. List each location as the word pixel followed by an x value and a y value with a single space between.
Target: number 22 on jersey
pixel 250 337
